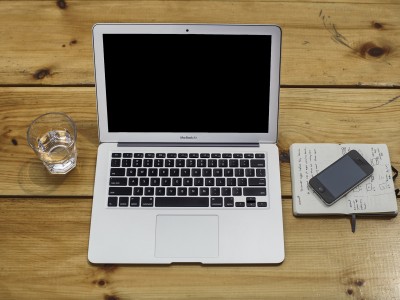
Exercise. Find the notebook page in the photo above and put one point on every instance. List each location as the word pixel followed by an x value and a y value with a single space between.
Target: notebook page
pixel 375 195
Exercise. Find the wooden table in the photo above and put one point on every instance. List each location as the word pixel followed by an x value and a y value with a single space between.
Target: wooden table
pixel 340 83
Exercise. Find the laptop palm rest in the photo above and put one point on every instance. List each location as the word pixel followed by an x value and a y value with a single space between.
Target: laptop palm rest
pixel 186 236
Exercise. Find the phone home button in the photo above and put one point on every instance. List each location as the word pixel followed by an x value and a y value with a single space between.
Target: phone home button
pixel 321 189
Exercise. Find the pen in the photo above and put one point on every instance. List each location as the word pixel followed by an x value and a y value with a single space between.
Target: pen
pixel 353 223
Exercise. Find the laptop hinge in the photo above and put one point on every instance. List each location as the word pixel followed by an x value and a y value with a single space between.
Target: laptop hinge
pixel 188 144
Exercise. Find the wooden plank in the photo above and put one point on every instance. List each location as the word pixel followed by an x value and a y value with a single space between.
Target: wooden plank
pixel 306 115
pixel 44 255
pixel 328 44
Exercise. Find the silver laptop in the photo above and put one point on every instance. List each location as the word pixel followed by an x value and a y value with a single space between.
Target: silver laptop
pixel 187 166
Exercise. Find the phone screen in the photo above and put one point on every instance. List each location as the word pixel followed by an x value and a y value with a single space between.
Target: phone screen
pixel 340 177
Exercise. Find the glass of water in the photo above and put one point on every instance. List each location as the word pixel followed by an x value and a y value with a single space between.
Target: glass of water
pixel 53 138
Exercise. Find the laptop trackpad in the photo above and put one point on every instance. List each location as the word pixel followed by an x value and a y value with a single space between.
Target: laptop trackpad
pixel 186 236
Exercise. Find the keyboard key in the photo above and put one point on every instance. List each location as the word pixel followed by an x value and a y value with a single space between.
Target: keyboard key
pixel 231 181
pixel 159 163
pixel 127 155
pixel 248 155
pixel 262 204
pixel 225 191
pixel 142 172
pixel 215 191
pixel 147 201
pixel 133 181
pixel 169 163
pixel 201 163
pixel 160 155
pixel 112 201
pixel 171 155
pixel 193 155
pixel 126 163
pixel 182 191
pixel 209 182
pixel 196 172
pixel 155 181
pixel 182 155
pixel 130 172
pixel 180 163
pixel 198 182
pixel 120 191
pixel 237 155
pixel 228 201
pixel 239 204
pixel 251 201
pixel 204 155
pixel 148 163
pixel 182 202
pixel 250 173
pixel 260 172
pixel 217 172
pixel 118 181
pixel 115 162
pixel 136 163
pixel 149 155
pixel 257 182
pixel 190 163
pixel 117 172
pixel 239 172
pixel 116 155
pixel 144 181
pixel 216 201
pixel 174 172
pixel 153 172
pixel 204 191
pixel 123 201
pixel 165 181
pixel 138 191
pixel 236 191
pixel 254 191
pixel 193 191
pixel 160 191
pixel 149 191
pixel 134 201
pixel 138 155
pixel 220 181
pixel 211 163
pixel 233 163
pixel 244 163
pixel 163 172
pixel 257 163
pixel 216 155
pixel 226 155
pixel 260 155
pixel 187 181
pixel 242 181
pixel 171 191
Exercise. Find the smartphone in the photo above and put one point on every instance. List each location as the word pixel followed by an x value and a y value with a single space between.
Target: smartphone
pixel 341 177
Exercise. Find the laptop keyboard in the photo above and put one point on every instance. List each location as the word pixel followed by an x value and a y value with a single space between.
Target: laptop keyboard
pixel 206 180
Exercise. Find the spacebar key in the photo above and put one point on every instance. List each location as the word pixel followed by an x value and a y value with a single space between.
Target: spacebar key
pixel 182 202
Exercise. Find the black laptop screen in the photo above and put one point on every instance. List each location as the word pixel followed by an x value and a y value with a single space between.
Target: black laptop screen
pixel 187 83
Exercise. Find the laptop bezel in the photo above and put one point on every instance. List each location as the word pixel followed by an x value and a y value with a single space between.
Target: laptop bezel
pixel 186 137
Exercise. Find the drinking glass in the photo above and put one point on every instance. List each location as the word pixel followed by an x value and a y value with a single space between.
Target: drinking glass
pixel 52 137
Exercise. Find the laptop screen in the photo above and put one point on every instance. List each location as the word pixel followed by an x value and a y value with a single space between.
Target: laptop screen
pixel 187 83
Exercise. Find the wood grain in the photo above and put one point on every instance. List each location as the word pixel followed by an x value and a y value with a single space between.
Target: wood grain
pixel 44 255
pixel 306 115
pixel 353 43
